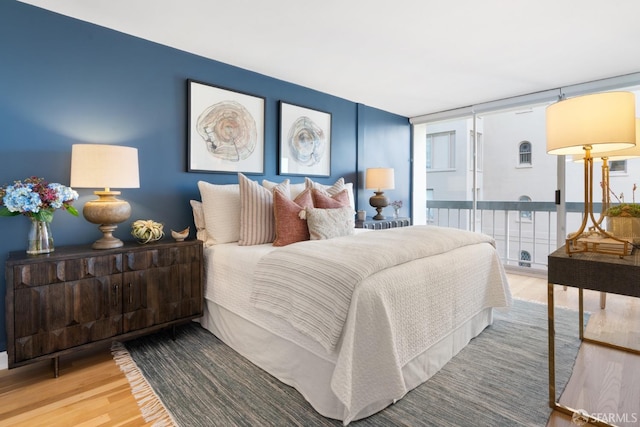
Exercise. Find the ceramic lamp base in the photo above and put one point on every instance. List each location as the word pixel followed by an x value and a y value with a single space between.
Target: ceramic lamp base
pixel 379 201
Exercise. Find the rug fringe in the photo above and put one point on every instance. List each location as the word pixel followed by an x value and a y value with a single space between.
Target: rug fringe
pixel 151 407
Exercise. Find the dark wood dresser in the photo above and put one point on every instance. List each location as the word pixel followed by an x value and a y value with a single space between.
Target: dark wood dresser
pixel 78 297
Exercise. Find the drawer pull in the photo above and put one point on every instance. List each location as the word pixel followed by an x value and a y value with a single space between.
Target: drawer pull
pixel 115 294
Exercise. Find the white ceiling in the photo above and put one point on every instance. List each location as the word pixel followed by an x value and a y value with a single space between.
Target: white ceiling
pixel 409 57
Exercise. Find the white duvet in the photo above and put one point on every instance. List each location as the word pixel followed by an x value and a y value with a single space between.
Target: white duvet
pixel 311 284
pixel 393 316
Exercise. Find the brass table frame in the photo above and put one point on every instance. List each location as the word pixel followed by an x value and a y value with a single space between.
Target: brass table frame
pixel 593 271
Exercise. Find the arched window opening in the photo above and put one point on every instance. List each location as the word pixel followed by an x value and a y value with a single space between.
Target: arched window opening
pixel 525 153
pixel 525 259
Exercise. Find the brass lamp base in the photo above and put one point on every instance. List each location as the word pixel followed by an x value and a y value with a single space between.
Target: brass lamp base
pixel 593 238
pixel 107 211
pixel 379 201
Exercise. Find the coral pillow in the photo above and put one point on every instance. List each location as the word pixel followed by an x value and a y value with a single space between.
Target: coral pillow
pixel 337 187
pixel 290 228
pixel 322 200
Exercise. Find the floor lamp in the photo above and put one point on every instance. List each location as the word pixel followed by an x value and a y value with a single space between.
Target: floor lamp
pixel 591 124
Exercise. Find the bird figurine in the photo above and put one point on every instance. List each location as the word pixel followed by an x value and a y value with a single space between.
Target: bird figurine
pixel 179 236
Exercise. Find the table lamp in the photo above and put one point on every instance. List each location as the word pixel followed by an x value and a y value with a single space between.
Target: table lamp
pixel 105 166
pixel 591 124
pixel 605 158
pixel 379 179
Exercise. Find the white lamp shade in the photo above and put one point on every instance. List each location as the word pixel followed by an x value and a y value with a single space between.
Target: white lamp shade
pixel 624 154
pixel 602 121
pixel 380 179
pixel 104 166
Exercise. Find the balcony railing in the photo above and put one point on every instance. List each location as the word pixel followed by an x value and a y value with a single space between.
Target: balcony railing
pixel 525 232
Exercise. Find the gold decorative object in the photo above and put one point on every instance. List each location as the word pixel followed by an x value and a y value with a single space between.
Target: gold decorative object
pixel 592 124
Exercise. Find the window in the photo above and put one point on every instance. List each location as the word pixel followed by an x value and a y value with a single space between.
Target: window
pixel 618 166
pixel 478 153
pixel 441 150
pixel 526 215
pixel 525 153
pixel 525 259
pixel 430 213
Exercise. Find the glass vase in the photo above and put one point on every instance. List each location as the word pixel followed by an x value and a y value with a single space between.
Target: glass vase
pixel 396 213
pixel 40 238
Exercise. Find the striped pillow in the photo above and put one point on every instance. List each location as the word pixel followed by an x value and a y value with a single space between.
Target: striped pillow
pixel 257 225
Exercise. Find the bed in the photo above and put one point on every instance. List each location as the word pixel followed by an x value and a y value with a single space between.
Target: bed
pixel 408 308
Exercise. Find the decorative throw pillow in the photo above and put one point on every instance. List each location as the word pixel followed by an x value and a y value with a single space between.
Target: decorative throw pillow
pixel 290 228
pixel 294 189
pixel 198 220
pixel 221 211
pixel 329 223
pixel 337 187
pixel 257 224
pixel 270 185
pixel 322 200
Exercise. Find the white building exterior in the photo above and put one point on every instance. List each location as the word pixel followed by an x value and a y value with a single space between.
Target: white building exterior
pixel 506 174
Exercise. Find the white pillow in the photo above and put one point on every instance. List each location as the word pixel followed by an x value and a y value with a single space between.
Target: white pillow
pixel 297 189
pixel 198 220
pixel 329 223
pixel 257 224
pixel 334 189
pixel 221 211
pixel 294 189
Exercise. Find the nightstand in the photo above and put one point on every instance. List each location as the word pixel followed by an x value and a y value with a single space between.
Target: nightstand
pixel 382 224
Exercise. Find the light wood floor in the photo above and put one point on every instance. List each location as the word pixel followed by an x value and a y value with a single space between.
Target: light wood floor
pixel 604 381
pixel 91 390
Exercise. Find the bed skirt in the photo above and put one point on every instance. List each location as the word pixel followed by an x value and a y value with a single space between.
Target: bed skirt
pixel 311 374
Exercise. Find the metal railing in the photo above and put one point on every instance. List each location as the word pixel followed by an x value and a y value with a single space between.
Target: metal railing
pixel 525 232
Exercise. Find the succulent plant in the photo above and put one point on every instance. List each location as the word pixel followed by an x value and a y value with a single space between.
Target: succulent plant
pixel 631 210
pixel 147 230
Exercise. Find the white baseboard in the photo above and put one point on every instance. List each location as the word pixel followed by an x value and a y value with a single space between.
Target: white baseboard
pixel 4 360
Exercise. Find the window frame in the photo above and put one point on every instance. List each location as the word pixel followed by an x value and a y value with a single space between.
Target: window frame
pixel 451 164
pixel 528 154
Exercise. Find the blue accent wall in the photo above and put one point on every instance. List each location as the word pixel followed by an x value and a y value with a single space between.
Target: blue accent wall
pixel 64 81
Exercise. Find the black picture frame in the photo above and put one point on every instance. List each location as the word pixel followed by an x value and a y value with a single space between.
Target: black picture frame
pixel 305 141
pixel 225 130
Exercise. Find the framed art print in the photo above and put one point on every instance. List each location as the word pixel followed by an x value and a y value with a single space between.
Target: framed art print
pixel 305 141
pixel 225 130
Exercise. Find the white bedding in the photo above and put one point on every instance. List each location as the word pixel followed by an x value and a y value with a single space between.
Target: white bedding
pixel 315 299
pixel 446 285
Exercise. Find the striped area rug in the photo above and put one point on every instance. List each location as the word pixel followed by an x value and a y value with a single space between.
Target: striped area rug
pixel 499 379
